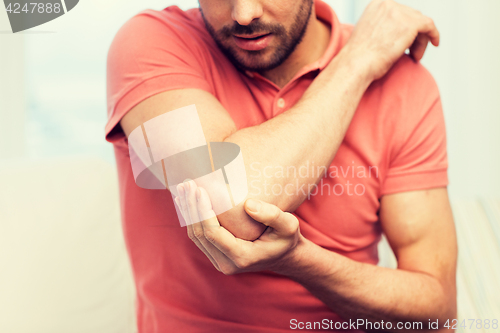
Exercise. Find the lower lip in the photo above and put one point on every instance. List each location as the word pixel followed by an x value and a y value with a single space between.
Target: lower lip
pixel 253 44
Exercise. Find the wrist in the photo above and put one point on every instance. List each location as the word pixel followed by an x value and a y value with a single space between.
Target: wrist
pixel 296 259
pixel 356 64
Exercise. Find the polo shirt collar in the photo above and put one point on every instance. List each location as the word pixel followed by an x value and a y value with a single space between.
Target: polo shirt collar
pixel 326 14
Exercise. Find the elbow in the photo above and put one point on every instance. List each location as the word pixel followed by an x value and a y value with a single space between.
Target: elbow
pixel 240 224
pixel 449 315
pixel 446 311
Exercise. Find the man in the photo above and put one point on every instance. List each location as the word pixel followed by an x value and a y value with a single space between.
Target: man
pixel 296 90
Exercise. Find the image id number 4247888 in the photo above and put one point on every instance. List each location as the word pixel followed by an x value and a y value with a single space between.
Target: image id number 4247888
pixel 34 7
pixel 471 324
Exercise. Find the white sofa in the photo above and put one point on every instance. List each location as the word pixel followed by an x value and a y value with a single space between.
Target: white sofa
pixel 63 264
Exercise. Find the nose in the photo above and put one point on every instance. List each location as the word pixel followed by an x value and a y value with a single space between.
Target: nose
pixel 245 11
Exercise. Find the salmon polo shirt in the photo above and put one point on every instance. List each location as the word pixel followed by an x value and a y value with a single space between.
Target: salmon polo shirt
pixel 396 142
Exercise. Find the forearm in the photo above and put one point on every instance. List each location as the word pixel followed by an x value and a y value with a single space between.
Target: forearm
pixel 307 135
pixel 357 290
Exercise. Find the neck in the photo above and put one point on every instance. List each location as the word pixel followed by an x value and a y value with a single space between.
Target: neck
pixel 311 49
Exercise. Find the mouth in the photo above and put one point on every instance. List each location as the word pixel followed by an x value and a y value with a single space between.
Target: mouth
pixel 255 42
pixel 254 36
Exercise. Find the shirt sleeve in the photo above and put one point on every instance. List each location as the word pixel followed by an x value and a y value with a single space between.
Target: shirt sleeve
pixel 150 54
pixel 419 160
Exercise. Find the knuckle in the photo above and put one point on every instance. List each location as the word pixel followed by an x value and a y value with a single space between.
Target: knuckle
pixel 292 229
pixel 191 235
pixel 387 4
pixel 394 13
pixel 227 270
pixel 209 235
pixel 418 12
pixel 294 223
pixel 274 214
pixel 294 226
pixel 241 263
pixel 198 233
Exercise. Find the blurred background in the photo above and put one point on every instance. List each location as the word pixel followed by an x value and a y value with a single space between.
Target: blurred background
pixel 62 256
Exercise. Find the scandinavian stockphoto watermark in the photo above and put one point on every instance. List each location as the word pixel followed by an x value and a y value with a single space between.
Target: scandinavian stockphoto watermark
pixel 26 14
pixel 170 148
pixel 336 180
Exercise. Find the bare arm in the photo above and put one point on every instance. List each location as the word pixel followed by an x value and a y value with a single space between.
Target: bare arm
pixel 313 129
pixel 309 132
pixel 419 226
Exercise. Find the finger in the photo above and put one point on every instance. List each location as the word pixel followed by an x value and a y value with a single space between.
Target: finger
pixel 192 210
pixel 214 233
pixel 203 231
pixel 419 46
pixel 201 247
pixel 189 217
pixel 205 209
pixel 190 198
pixel 182 203
pixel 195 231
pixel 284 224
pixel 429 28
pixel 222 253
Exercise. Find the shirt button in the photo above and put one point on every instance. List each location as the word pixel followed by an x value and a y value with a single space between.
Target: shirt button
pixel 281 103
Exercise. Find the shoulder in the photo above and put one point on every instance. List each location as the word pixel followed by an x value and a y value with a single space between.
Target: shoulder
pixel 404 103
pixel 151 30
pixel 170 19
pixel 411 74
pixel 408 90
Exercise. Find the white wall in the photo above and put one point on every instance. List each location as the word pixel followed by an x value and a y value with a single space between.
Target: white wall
pixel 12 106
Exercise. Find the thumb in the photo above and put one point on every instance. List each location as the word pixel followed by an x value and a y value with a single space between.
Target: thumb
pixel 283 223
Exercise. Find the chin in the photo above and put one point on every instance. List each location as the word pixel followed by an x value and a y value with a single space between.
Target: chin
pixel 257 61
